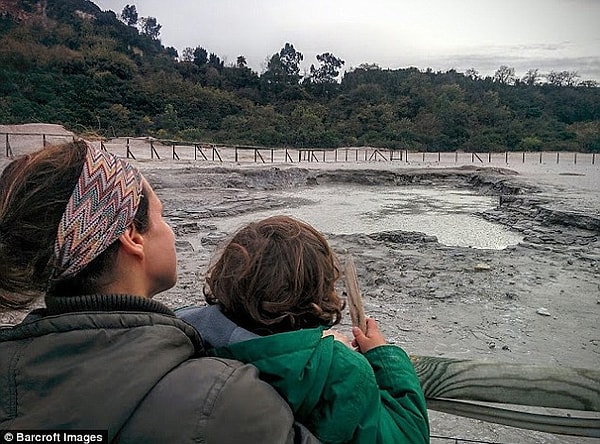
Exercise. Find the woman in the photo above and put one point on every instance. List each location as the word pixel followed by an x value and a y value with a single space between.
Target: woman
pixel 85 230
pixel 272 295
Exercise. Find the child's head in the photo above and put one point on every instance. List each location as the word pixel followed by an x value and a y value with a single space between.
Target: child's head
pixel 276 275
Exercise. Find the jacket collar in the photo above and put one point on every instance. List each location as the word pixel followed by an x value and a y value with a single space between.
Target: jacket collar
pixel 103 302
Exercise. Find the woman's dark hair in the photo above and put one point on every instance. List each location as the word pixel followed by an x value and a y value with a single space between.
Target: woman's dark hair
pixel 276 275
pixel 34 191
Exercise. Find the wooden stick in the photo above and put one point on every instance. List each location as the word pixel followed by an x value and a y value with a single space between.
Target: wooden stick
pixel 355 305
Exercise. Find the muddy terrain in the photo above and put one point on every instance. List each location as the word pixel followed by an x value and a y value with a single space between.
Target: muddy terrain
pixel 536 302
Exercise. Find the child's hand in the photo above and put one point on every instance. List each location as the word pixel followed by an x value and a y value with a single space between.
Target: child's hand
pixel 369 340
pixel 338 337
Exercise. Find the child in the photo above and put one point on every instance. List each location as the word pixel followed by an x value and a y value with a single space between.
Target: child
pixel 272 295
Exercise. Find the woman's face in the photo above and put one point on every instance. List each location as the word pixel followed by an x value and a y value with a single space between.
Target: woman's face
pixel 159 246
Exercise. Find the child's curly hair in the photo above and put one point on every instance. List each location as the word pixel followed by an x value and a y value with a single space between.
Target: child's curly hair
pixel 276 275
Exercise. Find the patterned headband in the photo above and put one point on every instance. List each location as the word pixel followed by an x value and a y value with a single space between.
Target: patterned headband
pixel 102 206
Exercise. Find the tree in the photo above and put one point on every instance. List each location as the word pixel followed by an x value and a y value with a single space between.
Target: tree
pixel 472 74
pixel 329 69
pixel 531 143
pixel 151 27
pixel 187 55
pixel 215 61
pixel 241 62
pixel 505 75
pixel 562 78
pixel 284 67
pixel 130 15
pixel 290 60
pixel 171 52
pixel 200 56
pixel 532 77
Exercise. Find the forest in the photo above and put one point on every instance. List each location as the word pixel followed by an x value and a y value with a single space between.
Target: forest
pixel 108 74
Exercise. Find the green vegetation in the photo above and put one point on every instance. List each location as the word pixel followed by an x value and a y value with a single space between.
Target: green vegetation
pixel 68 62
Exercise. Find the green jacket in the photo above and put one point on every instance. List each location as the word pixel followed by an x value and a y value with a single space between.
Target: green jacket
pixel 340 394
pixel 125 364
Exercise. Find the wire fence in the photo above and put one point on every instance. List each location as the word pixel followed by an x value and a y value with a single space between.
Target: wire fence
pixel 146 148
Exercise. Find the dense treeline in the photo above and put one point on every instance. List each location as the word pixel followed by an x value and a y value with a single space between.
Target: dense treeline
pixel 68 62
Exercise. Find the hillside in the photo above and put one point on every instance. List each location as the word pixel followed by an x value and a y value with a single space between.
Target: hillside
pixel 68 62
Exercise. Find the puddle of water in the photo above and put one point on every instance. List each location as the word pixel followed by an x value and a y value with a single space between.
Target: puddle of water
pixel 446 213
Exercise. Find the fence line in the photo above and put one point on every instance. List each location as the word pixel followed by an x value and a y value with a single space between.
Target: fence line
pixel 17 143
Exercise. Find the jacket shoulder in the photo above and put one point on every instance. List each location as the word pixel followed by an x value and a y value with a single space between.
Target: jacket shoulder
pixel 211 400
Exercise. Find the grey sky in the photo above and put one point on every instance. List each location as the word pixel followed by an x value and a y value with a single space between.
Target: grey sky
pixel 441 34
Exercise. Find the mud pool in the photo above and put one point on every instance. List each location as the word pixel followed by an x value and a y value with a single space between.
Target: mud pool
pixel 450 214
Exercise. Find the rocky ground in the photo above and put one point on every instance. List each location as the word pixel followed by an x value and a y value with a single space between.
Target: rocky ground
pixel 536 302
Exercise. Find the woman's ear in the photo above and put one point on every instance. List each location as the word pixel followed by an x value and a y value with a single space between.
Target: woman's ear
pixel 132 241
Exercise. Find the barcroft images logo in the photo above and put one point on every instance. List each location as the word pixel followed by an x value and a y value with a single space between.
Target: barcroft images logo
pixel 52 436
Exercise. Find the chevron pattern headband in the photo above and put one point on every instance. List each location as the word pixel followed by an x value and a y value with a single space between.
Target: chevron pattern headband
pixel 102 206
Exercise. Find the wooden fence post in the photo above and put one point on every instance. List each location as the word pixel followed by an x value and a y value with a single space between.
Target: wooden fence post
pixel 9 152
pixel 153 150
pixel 199 149
pixel 129 153
pixel 287 156
pixel 257 155
pixel 216 151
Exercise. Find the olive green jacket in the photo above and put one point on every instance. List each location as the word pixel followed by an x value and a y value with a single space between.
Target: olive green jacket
pixel 125 364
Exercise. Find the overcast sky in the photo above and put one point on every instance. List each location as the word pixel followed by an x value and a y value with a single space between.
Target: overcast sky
pixel 547 35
